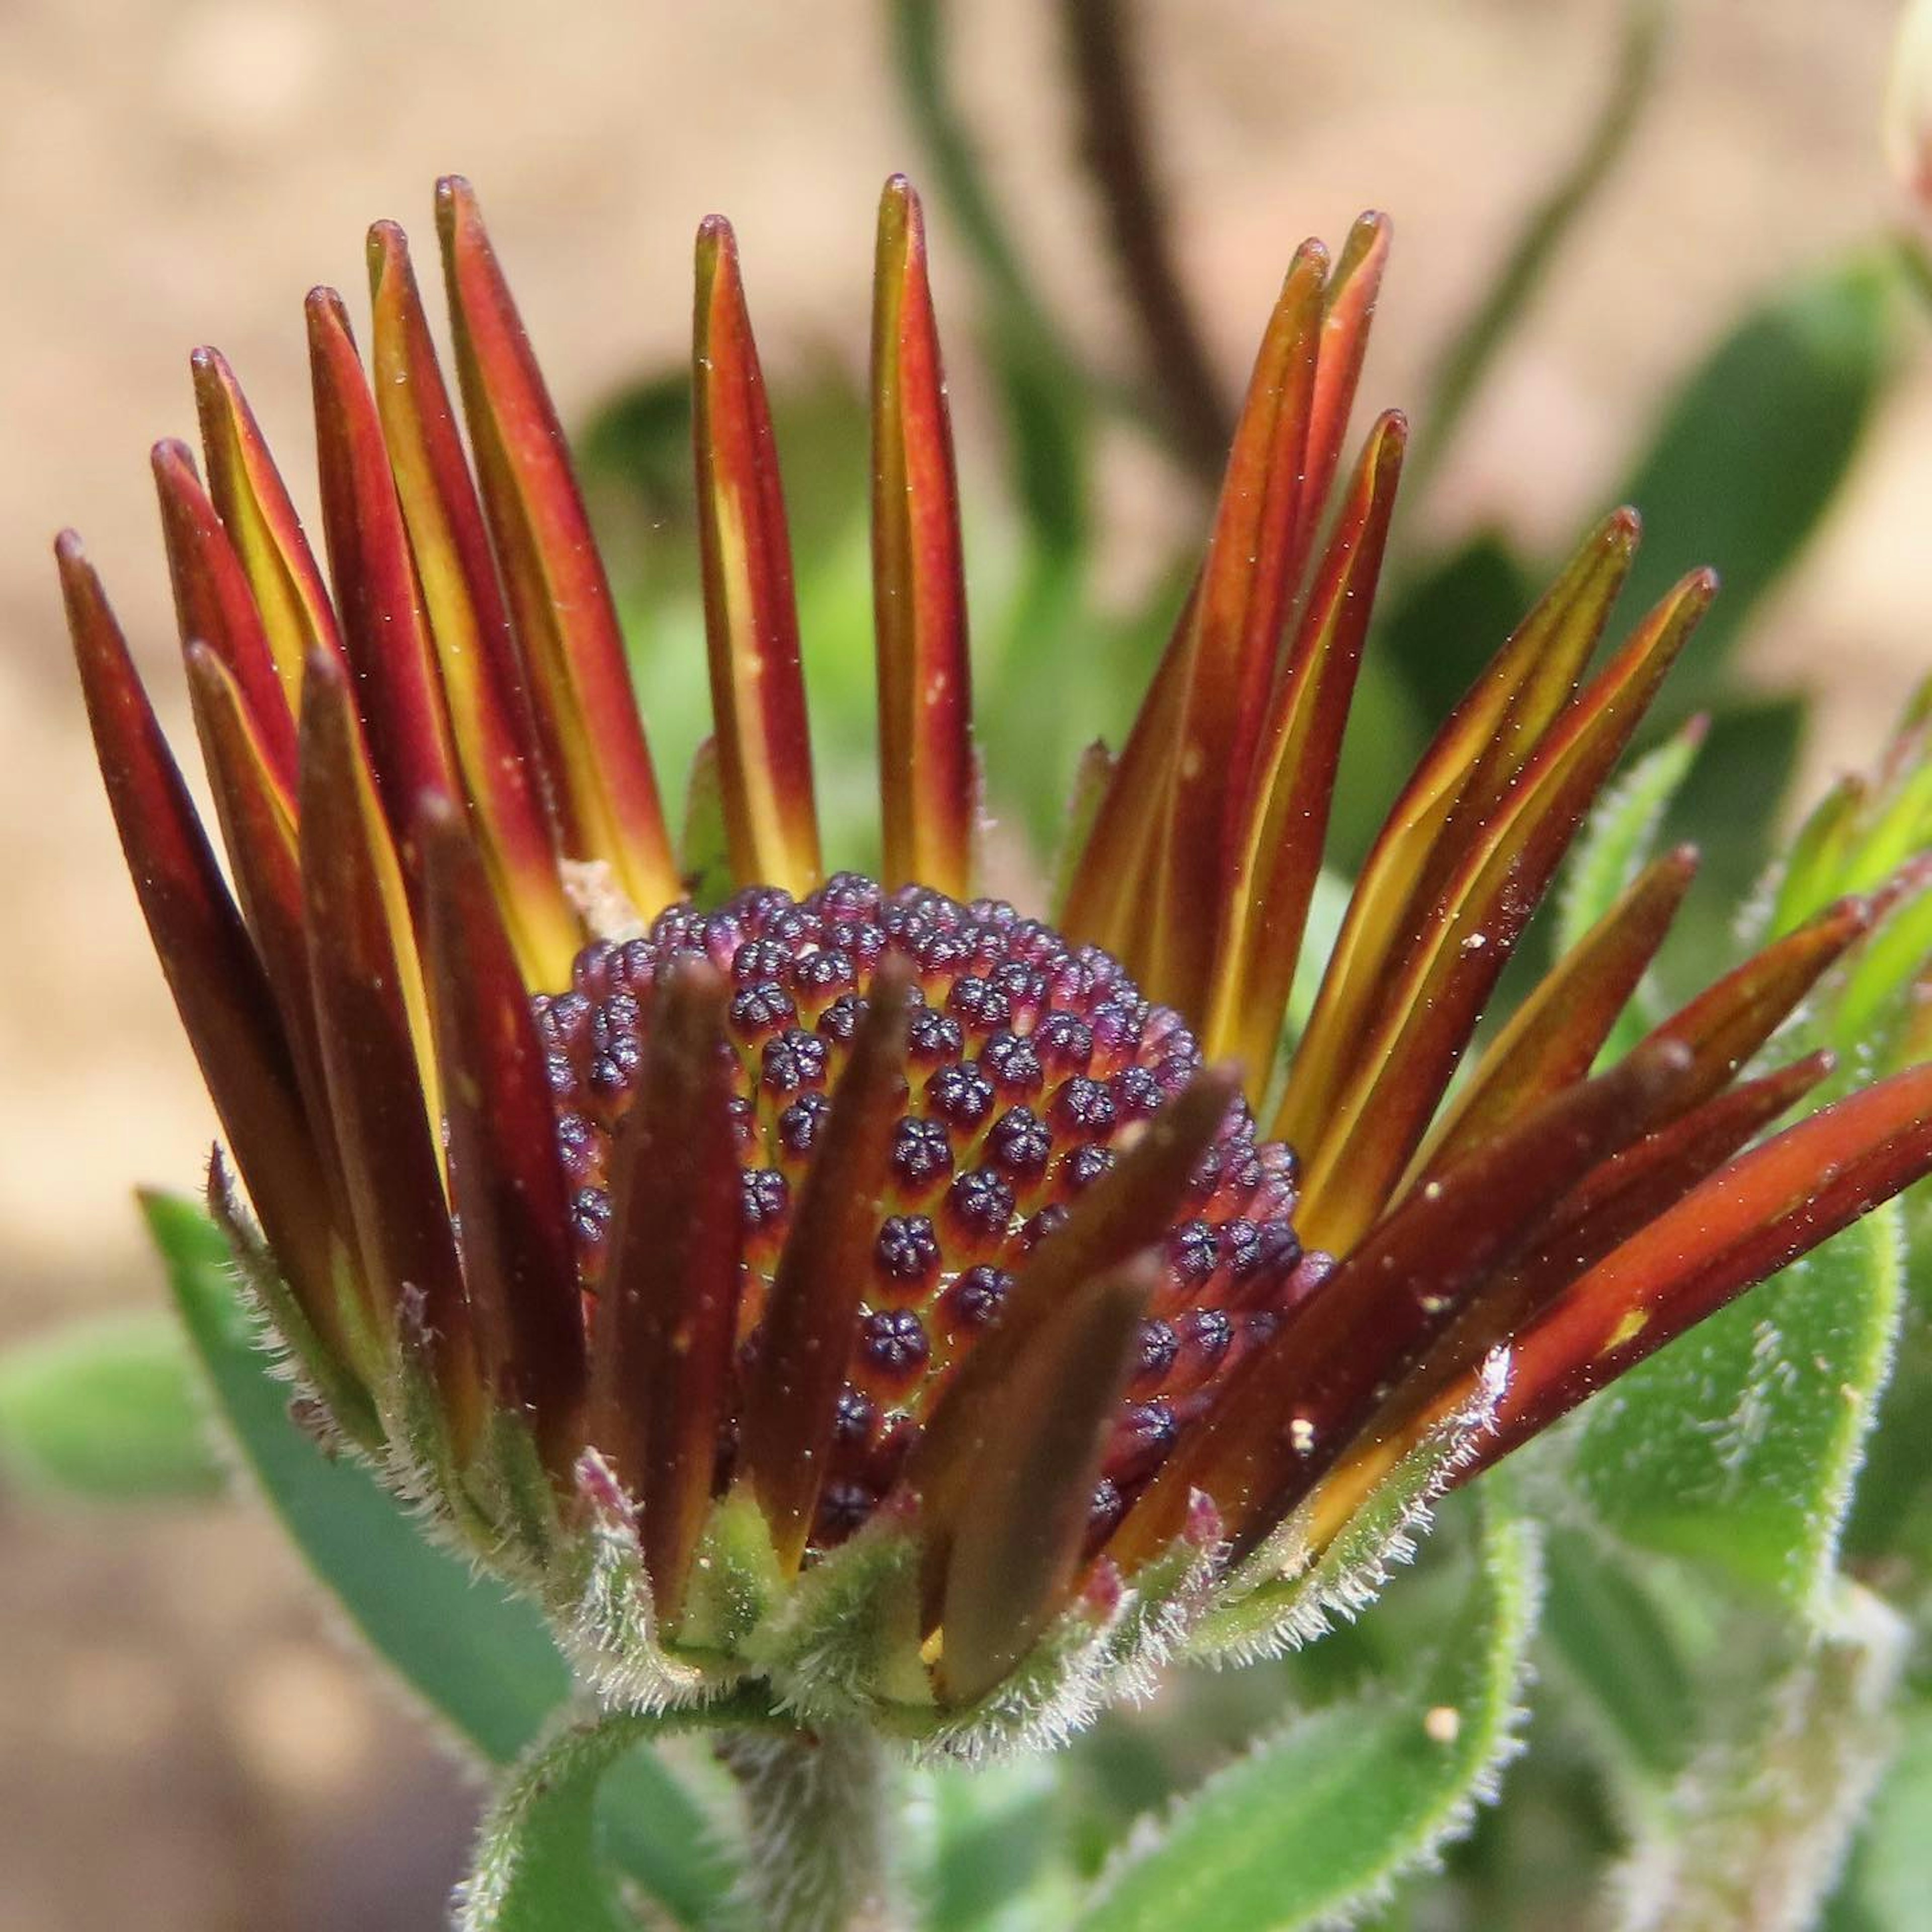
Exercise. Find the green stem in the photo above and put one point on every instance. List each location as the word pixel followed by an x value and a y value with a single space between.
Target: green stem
pixel 820 1813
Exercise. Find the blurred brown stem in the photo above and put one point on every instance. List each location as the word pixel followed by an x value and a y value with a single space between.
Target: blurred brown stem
pixel 1115 143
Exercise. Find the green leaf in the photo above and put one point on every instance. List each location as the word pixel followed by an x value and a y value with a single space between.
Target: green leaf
pixel 1889 1878
pixel 1320 1818
pixel 1753 1833
pixel 1749 457
pixel 1737 1446
pixel 997 1838
pixel 106 1411
pixel 481 1661
pixel 542 1862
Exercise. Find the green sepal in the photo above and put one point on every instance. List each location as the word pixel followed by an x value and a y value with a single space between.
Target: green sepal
pixel 848 1638
pixel 602 1605
pixel 735 1580
pixel 1316 1822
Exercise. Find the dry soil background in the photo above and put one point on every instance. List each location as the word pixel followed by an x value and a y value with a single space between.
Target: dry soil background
pixel 180 1746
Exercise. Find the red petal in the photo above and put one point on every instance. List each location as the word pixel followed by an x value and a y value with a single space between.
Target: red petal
pixel 214 605
pixel 261 523
pixel 489 709
pixel 1299 1404
pixel 668 1309
pixel 757 692
pixel 364 969
pixel 226 1008
pixel 399 691
pixel 506 1181
pixel 811 1317
pixel 566 620
pixel 926 691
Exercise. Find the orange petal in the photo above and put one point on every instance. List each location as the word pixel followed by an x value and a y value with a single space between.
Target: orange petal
pixel 261 523
pixel 927 786
pixel 489 709
pixel 757 692
pixel 560 600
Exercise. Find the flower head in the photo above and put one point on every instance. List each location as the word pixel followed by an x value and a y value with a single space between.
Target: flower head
pixel 859 1289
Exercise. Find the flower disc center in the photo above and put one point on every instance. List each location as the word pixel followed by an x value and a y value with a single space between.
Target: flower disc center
pixel 1031 1062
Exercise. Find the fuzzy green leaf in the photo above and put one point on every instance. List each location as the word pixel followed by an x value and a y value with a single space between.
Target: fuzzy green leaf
pixel 1889 1878
pixel 1738 1446
pixel 106 1411
pixel 1321 1819
pixel 1753 1831
pixel 482 1661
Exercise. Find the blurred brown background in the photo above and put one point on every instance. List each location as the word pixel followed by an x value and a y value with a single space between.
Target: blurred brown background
pixel 181 1743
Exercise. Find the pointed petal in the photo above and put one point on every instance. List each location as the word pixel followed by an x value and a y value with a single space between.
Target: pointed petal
pixel 926 779
pixel 757 692
pixel 384 628
pixel 560 600
pixel 1724 1026
pixel 227 1008
pixel 1284 823
pixel 811 1317
pixel 363 966
pixel 1296 1406
pixel 1104 901
pixel 506 1181
pixel 1500 871
pixel 1022 1524
pixel 668 1309
pixel 1615 1199
pixel 214 605
pixel 261 523
pixel 469 623
pixel 1553 1039
pixel 1244 597
pixel 1820 852
pixel 1488 737
pixel 1348 307
pixel 1757 1216
pixel 258 828
pixel 1128 1209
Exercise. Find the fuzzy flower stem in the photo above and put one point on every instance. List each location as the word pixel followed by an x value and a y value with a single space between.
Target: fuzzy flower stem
pixel 819 1810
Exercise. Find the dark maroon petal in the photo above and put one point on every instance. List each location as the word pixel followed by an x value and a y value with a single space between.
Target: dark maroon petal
pixel 221 991
pixel 1017 1540
pixel 811 1317
pixel 667 1318
pixel 1744 1223
pixel 505 1179
pixel 1128 1209
pixel 1296 1406
pixel 375 1048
